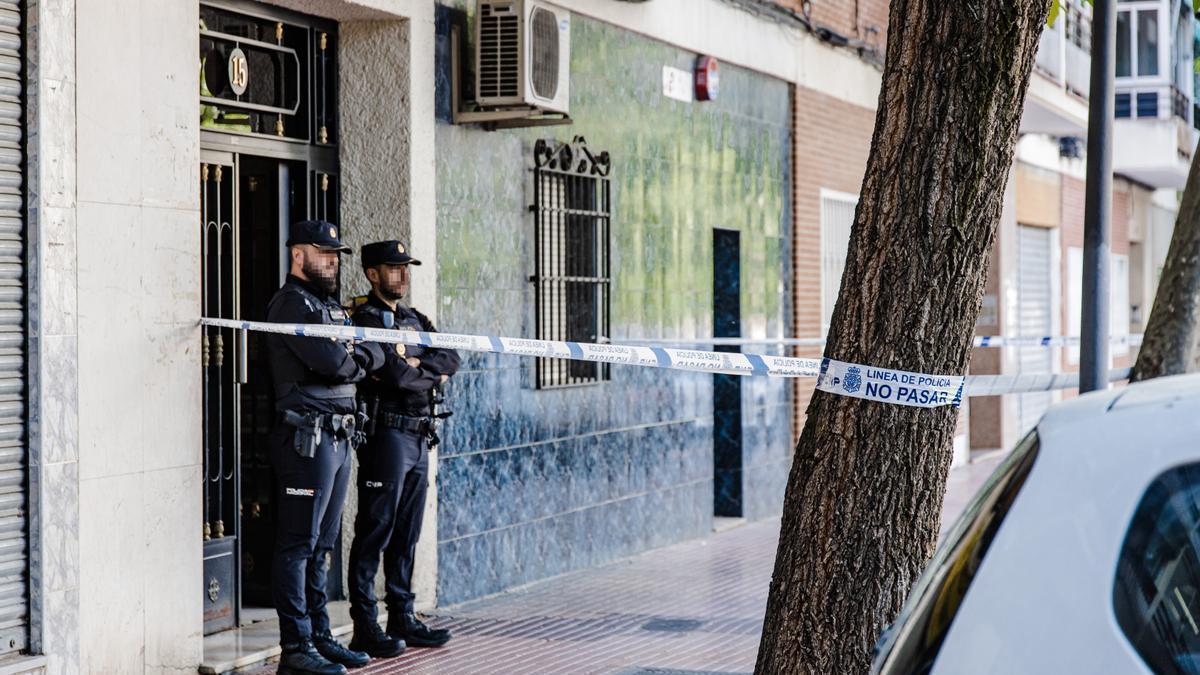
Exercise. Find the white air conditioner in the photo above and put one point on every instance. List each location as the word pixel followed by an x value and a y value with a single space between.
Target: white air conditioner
pixel 522 55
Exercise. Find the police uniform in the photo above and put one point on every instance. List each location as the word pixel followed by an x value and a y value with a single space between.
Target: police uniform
pixel 394 465
pixel 314 380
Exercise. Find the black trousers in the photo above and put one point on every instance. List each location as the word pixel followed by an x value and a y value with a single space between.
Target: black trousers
pixel 392 481
pixel 311 492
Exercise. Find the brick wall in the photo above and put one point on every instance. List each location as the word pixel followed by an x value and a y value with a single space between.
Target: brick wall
pixel 832 139
pixel 852 18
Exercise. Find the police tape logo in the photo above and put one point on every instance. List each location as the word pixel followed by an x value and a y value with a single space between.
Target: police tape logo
pixel 853 379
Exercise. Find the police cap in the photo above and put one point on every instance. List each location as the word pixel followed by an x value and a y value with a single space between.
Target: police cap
pixel 319 233
pixel 389 252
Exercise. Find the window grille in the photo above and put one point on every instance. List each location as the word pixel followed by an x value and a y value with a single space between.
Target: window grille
pixel 572 200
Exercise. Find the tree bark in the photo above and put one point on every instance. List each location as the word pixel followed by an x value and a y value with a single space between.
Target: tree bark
pixel 1169 345
pixel 864 496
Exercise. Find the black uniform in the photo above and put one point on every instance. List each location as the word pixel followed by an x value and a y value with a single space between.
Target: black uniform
pixel 393 464
pixel 310 452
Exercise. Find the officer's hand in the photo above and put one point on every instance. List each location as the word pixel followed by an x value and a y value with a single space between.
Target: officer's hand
pixel 413 362
pixel 443 380
pixel 369 355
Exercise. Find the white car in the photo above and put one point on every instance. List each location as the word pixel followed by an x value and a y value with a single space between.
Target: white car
pixel 1080 554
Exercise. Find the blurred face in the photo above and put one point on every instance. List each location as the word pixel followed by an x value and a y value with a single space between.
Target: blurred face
pixel 317 266
pixel 390 282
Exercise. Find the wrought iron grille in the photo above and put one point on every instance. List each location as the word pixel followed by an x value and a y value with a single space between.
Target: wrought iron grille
pixel 218 231
pixel 572 201
pixel 268 76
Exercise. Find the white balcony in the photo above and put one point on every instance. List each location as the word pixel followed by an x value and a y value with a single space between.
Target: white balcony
pixel 1153 138
pixel 1078 70
pixel 1057 100
pixel 1049 56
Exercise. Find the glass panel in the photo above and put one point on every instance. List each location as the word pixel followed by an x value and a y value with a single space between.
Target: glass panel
pixel 1156 593
pixel 1147 49
pixel 1124 63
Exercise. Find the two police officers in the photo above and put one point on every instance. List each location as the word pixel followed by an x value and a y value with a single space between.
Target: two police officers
pixel 394 462
pixel 317 427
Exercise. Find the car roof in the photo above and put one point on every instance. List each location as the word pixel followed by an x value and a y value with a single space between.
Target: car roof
pixel 1150 396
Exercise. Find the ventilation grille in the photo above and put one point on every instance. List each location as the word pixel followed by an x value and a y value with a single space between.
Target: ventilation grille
pixel 499 50
pixel 545 53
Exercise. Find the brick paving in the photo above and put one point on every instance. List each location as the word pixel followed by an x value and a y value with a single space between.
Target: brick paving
pixel 694 608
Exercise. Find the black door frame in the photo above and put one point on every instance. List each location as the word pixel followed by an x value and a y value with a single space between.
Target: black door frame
pixel 310 149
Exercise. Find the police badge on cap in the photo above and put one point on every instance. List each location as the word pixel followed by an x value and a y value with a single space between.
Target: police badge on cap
pixel 390 252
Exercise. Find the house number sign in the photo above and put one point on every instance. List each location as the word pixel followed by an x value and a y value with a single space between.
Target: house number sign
pixel 239 71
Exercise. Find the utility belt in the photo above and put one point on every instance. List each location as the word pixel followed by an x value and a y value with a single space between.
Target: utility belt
pixel 311 427
pixel 324 392
pixel 422 426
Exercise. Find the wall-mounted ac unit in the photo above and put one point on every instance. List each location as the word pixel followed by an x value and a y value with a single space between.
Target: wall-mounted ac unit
pixel 522 55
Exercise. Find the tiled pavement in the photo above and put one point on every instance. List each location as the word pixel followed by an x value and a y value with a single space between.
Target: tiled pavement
pixel 694 607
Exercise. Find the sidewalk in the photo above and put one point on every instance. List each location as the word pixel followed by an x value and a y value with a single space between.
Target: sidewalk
pixel 693 608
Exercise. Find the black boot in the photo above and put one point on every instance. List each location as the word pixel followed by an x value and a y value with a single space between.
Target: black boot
pixel 409 628
pixel 333 650
pixel 370 638
pixel 302 658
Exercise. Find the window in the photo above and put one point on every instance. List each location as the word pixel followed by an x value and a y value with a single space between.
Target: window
pixel 1137 43
pixel 837 217
pixel 1147 42
pixel 571 253
pixel 1124 57
pixel 912 643
pixel 1181 50
pixel 1156 593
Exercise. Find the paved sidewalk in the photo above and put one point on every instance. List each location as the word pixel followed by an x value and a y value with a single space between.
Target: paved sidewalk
pixel 691 608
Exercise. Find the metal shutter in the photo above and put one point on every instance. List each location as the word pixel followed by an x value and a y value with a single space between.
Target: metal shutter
pixel 14 564
pixel 1033 317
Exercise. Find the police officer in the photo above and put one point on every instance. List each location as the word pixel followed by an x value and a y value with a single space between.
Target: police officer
pixel 310 454
pixel 393 464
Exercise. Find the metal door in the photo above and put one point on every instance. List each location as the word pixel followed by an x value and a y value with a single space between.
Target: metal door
pixel 1034 304
pixel 221 357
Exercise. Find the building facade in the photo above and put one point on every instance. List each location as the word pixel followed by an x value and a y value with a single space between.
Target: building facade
pixel 141 189
pixel 168 145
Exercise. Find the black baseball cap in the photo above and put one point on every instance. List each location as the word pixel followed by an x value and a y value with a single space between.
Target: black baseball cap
pixel 319 233
pixel 390 252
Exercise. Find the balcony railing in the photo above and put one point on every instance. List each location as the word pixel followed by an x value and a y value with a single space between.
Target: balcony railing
pixel 1180 104
pixel 1153 103
pixel 1066 61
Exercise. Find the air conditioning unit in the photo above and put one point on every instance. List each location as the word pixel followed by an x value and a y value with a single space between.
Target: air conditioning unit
pixel 522 55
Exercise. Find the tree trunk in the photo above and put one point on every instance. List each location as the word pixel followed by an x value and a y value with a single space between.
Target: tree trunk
pixel 1169 345
pixel 861 513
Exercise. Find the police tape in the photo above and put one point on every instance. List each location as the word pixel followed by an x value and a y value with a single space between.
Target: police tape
pixel 996 385
pixel 847 379
pixel 984 341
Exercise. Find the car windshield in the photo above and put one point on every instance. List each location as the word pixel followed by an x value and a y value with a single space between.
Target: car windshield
pixel 911 644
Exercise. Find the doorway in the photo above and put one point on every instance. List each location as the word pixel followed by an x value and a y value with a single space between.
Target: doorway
pixel 269 157
pixel 727 389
